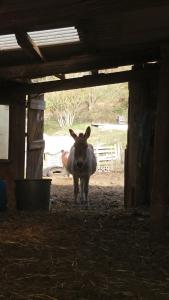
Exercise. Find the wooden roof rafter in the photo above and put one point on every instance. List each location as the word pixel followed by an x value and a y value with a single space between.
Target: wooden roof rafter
pixel 26 43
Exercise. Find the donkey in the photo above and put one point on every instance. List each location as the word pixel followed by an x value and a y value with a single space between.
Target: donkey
pixel 64 159
pixel 81 164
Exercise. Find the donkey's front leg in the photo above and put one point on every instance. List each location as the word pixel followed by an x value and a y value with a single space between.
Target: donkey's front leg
pixel 82 190
pixel 86 188
pixel 76 188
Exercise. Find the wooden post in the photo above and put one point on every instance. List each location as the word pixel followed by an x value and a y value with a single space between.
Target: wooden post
pixel 142 105
pixel 35 142
pixel 160 185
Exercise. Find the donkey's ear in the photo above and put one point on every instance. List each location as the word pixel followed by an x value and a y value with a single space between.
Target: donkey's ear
pixel 74 136
pixel 87 133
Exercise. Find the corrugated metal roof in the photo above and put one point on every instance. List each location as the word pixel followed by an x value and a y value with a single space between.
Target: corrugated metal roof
pixel 42 38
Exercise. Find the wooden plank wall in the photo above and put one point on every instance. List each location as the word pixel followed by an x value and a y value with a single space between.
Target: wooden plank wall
pixel 35 142
pixel 160 185
pixel 14 167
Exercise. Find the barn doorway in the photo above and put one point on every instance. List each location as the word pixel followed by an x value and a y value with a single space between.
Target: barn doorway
pixel 105 109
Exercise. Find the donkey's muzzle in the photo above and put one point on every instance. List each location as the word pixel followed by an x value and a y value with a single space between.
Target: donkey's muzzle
pixel 80 165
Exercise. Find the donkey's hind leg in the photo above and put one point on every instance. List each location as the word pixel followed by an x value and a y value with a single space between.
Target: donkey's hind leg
pixel 84 186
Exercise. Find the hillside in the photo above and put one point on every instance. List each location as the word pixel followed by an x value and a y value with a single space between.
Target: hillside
pixel 95 104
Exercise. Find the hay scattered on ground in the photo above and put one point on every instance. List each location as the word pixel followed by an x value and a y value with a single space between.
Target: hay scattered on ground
pixel 81 254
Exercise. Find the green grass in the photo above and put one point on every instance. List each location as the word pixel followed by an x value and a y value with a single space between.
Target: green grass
pixel 108 137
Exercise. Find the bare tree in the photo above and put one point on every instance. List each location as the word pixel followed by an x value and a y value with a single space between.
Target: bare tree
pixel 65 105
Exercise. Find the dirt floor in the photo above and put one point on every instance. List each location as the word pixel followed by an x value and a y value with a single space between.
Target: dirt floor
pixel 101 252
pixel 102 197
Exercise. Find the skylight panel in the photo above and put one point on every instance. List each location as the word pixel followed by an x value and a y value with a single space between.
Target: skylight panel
pixel 55 36
pixel 42 38
pixel 8 41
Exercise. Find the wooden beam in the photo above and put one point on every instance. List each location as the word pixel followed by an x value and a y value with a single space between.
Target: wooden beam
pixel 36 145
pixel 60 76
pixel 94 72
pixel 86 81
pixel 26 43
pixel 74 64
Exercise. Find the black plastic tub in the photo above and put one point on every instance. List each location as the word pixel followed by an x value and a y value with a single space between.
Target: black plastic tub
pixel 32 194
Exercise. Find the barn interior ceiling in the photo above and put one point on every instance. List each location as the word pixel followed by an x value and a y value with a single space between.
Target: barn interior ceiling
pixel 43 38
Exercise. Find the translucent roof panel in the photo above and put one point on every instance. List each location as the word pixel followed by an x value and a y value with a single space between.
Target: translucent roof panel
pixel 42 38
pixel 8 41
pixel 55 36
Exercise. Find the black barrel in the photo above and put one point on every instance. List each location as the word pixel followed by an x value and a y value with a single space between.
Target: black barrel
pixel 32 194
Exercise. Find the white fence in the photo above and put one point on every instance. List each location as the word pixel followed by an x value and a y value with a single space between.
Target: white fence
pixel 53 159
pixel 109 158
